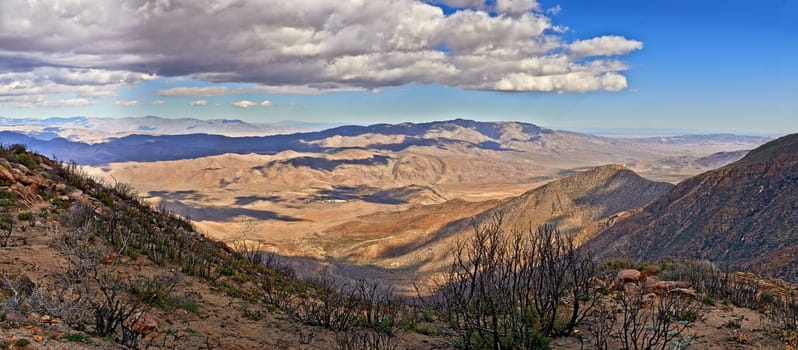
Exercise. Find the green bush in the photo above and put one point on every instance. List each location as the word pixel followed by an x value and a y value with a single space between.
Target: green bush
pixel 77 337
pixel 28 160
pixel 688 316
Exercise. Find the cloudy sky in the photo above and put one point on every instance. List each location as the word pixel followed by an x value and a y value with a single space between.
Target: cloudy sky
pixel 713 65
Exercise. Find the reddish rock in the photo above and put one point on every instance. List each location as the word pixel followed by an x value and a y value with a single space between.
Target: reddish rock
pixel 597 283
pixel 5 175
pixel 631 288
pixel 34 188
pixel 144 322
pixel 658 287
pixel 629 275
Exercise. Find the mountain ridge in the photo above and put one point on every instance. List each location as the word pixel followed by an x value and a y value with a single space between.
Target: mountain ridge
pixel 742 215
pixel 497 136
pixel 578 205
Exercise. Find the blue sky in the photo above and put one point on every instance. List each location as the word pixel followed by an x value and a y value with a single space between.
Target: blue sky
pixel 703 65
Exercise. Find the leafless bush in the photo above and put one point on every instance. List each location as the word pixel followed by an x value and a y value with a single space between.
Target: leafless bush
pixel 378 307
pixel 365 340
pixel 654 323
pixel 514 289
pixel 272 261
pixel 333 306
pixel 63 300
pixel 601 321
pixel 6 228
pixel 167 339
pixel 703 275
pixel 14 291
pixel 251 250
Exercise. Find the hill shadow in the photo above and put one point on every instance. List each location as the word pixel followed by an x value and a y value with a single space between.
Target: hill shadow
pixel 178 195
pixel 223 214
pixel 362 193
pixel 317 163
pixel 246 200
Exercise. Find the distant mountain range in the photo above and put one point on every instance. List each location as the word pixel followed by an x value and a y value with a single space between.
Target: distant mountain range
pixel 743 215
pixel 497 136
pixel 97 130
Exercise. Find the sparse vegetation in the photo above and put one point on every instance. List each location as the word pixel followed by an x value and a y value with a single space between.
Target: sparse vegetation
pixel 77 337
pixel 506 289
pixel 515 289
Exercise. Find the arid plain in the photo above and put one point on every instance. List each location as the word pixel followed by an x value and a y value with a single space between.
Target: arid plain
pixel 365 208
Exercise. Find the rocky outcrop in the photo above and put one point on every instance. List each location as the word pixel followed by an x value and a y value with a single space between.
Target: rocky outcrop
pixel 633 281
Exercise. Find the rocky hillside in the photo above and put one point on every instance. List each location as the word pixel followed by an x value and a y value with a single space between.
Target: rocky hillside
pixel 580 204
pixel 84 265
pixel 87 265
pixel 744 215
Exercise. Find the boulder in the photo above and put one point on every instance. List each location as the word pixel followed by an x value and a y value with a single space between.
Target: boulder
pixel 629 275
pixel 26 180
pixel 659 287
pixel 18 174
pixel 6 175
pixel 597 284
pixel 631 288
pixel 144 322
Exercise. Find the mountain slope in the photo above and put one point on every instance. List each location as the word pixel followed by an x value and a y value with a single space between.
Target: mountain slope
pixel 580 204
pixel 744 215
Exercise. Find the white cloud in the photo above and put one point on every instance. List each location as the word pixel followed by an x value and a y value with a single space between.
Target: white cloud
pixel 158 102
pixel 199 91
pixel 198 103
pixel 607 45
pixel 472 4
pixel 572 82
pixel 70 102
pixel 38 101
pixel 131 103
pixel 244 104
pixel 39 84
pixel 516 6
pixel 247 104
pixel 99 46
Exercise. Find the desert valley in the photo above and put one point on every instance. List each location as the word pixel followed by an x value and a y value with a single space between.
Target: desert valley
pixel 394 204
pixel 398 174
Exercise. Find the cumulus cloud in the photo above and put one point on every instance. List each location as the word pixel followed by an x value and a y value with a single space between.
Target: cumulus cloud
pixel 244 104
pixel 247 104
pixel 70 102
pixel 158 102
pixel 38 101
pixel 307 45
pixel 34 86
pixel 516 6
pixel 607 45
pixel 199 91
pixel 198 103
pixel 131 103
